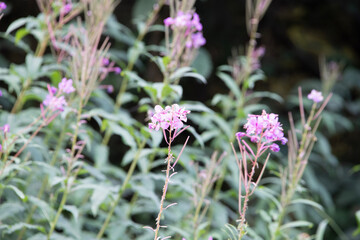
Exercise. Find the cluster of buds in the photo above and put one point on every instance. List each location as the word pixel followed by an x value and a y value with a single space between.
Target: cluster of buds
pixel 186 38
pixel 264 128
pixel 190 23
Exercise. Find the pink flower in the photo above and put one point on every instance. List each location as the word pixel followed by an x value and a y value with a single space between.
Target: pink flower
pixel 117 70
pixel 55 103
pixel 172 117
pixel 66 86
pixel 67 8
pixel 0 93
pixel 105 61
pixel 197 40
pixel 2 6
pixel 315 96
pixel 264 128
pixel 5 128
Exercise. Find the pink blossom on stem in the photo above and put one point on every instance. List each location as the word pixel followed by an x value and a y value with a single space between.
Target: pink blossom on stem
pixel 2 6
pixel 315 96
pixel 67 8
pixel 264 128
pixel 66 86
pixel 5 128
pixel 172 117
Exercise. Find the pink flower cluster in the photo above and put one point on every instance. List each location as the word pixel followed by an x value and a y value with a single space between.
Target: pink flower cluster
pixel 170 117
pixel 315 96
pixel 2 6
pixel 192 26
pixel 264 128
pixel 55 100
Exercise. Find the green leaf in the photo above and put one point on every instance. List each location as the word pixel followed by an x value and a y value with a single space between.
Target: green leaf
pixel 196 76
pixel 19 226
pixel 18 192
pixel 18 23
pixel 197 136
pixel 296 224
pixel 33 65
pixel 203 63
pixel 10 209
pixel 230 83
pixel 321 230
pixel 166 91
pixel 308 202
pixel 46 210
pixel 101 154
pixel 22 32
pixel 270 95
pixel 123 133
pixel 99 195
pixel 357 231
pixel 179 73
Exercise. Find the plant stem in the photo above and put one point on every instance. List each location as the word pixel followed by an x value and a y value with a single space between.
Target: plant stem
pixel 68 174
pixel 169 158
pixel 122 189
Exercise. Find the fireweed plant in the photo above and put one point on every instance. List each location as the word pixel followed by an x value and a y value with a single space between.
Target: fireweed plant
pixel 79 161
pixel 170 120
pixel 263 130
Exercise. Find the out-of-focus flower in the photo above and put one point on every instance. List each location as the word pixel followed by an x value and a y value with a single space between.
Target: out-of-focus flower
pixel 315 96
pixel 264 128
pixel 255 58
pixel 67 8
pixel 105 61
pixel 2 6
pixel 5 128
pixel 172 117
pixel 0 93
pixel 117 70
pixel 55 103
pixel 66 86
pixel 110 89
pixel 191 24
pixel 197 40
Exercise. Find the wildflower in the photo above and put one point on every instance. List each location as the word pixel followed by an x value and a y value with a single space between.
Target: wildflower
pixel 2 6
pixel 55 103
pixel 110 88
pixel 315 96
pixel 266 128
pixel 172 117
pixel 66 86
pixel 117 70
pixel 105 61
pixel 197 40
pixel 5 128
pixel 67 8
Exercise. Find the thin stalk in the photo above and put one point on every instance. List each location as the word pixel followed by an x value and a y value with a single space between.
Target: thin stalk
pixel 167 179
pixel 68 174
pixel 121 191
